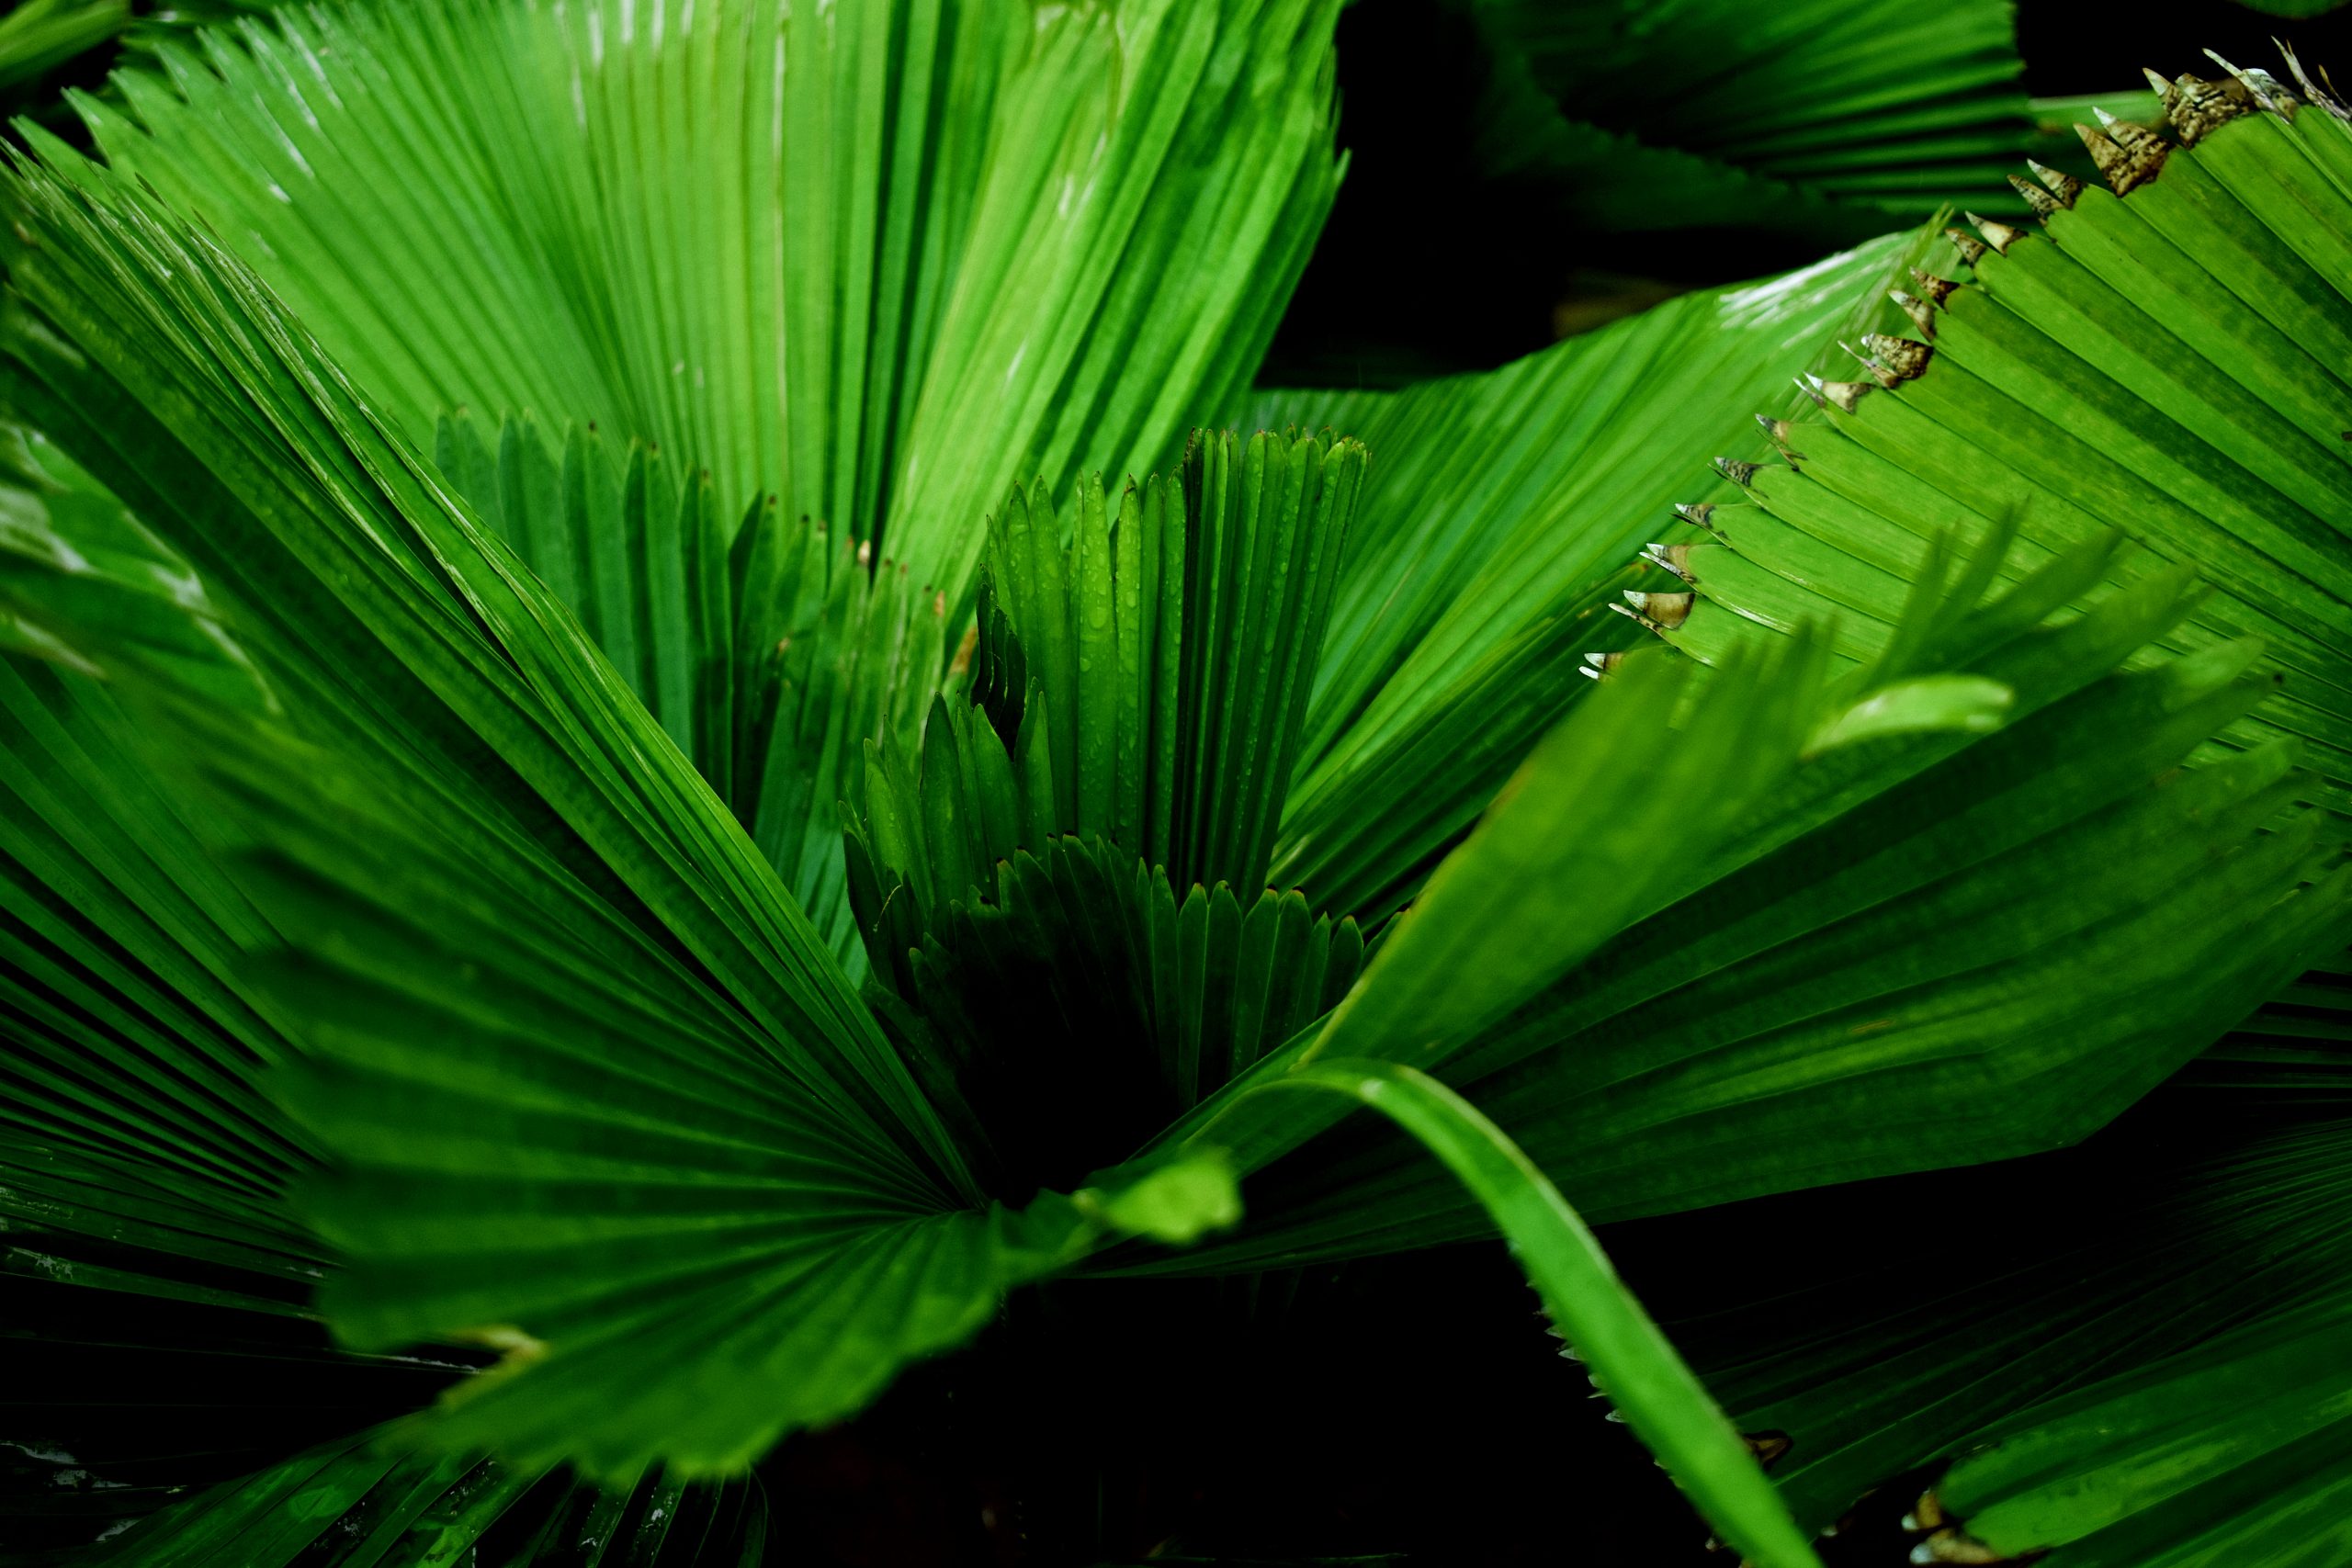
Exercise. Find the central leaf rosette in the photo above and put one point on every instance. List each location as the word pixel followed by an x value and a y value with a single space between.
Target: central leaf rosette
pixel 1063 889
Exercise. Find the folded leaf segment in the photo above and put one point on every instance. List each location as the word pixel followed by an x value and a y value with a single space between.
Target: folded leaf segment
pixel 446 850
pixel 2161 353
pixel 878 259
pixel 480 883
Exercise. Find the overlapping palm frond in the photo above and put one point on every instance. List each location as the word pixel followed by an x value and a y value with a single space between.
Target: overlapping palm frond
pixel 769 649
pixel 462 233
pixel 155 1258
pixel 425 877
pixel 579 1060
pixel 2155 355
pixel 1832 118
pixel 1037 242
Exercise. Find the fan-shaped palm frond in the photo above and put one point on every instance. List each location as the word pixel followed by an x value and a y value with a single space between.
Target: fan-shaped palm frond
pixel 1037 241
pixel 407 950
pixel 1833 118
pixel 769 649
pixel 556 898
pixel 426 873
pixel 2155 357
pixel 155 1258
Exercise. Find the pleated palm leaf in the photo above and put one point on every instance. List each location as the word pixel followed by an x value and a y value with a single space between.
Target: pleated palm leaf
pixel 2158 1375
pixel 1695 123
pixel 554 900
pixel 1822 118
pixel 43 42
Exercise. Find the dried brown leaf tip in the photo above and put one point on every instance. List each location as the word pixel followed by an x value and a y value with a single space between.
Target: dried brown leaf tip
pixel 1937 289
pixel 1777 432
pixel 1946 1542
pixel 1901 356
pixel 1970 249
pixel 1700 516
pixel 2000 236
pixel 2145 149
pixel 2267 89
pixel 1922 316
pixel 1596 666
pixel 2044 205
pixel 2321 92
pixel 2106 156
pixel 1734 470
pixel 1879 373
pixel 2128 155
pixel 1846 394
pixel 2197 108
pixel 1675 558
pixel 2060 184
pixel 1659 612
pixel 1768 1447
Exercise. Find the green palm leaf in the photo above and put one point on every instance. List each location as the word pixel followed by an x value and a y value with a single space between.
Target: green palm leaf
pixel 1488 544
pixel 2156 357
pixel 462 969
pixel 1831 117
pixel 514 879
pixel 153 1256
pixel 963 244
pixel 481 810
pixel 770 659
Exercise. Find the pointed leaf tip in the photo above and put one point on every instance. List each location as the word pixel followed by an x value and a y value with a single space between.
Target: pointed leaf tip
pixel 1967 704
pixel 1177 1203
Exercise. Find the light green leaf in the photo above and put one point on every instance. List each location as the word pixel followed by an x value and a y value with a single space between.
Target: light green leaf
pixel 1568 854
pixel 1923 705
pixel 1177 1203
pixel 1489 544
pixel 1631 1361
pixel 969 241
pixel 2161 356
pixel 591 1081
pixel 38 36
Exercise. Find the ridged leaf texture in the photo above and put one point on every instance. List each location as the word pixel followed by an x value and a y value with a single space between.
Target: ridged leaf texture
pixel 2155 1377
